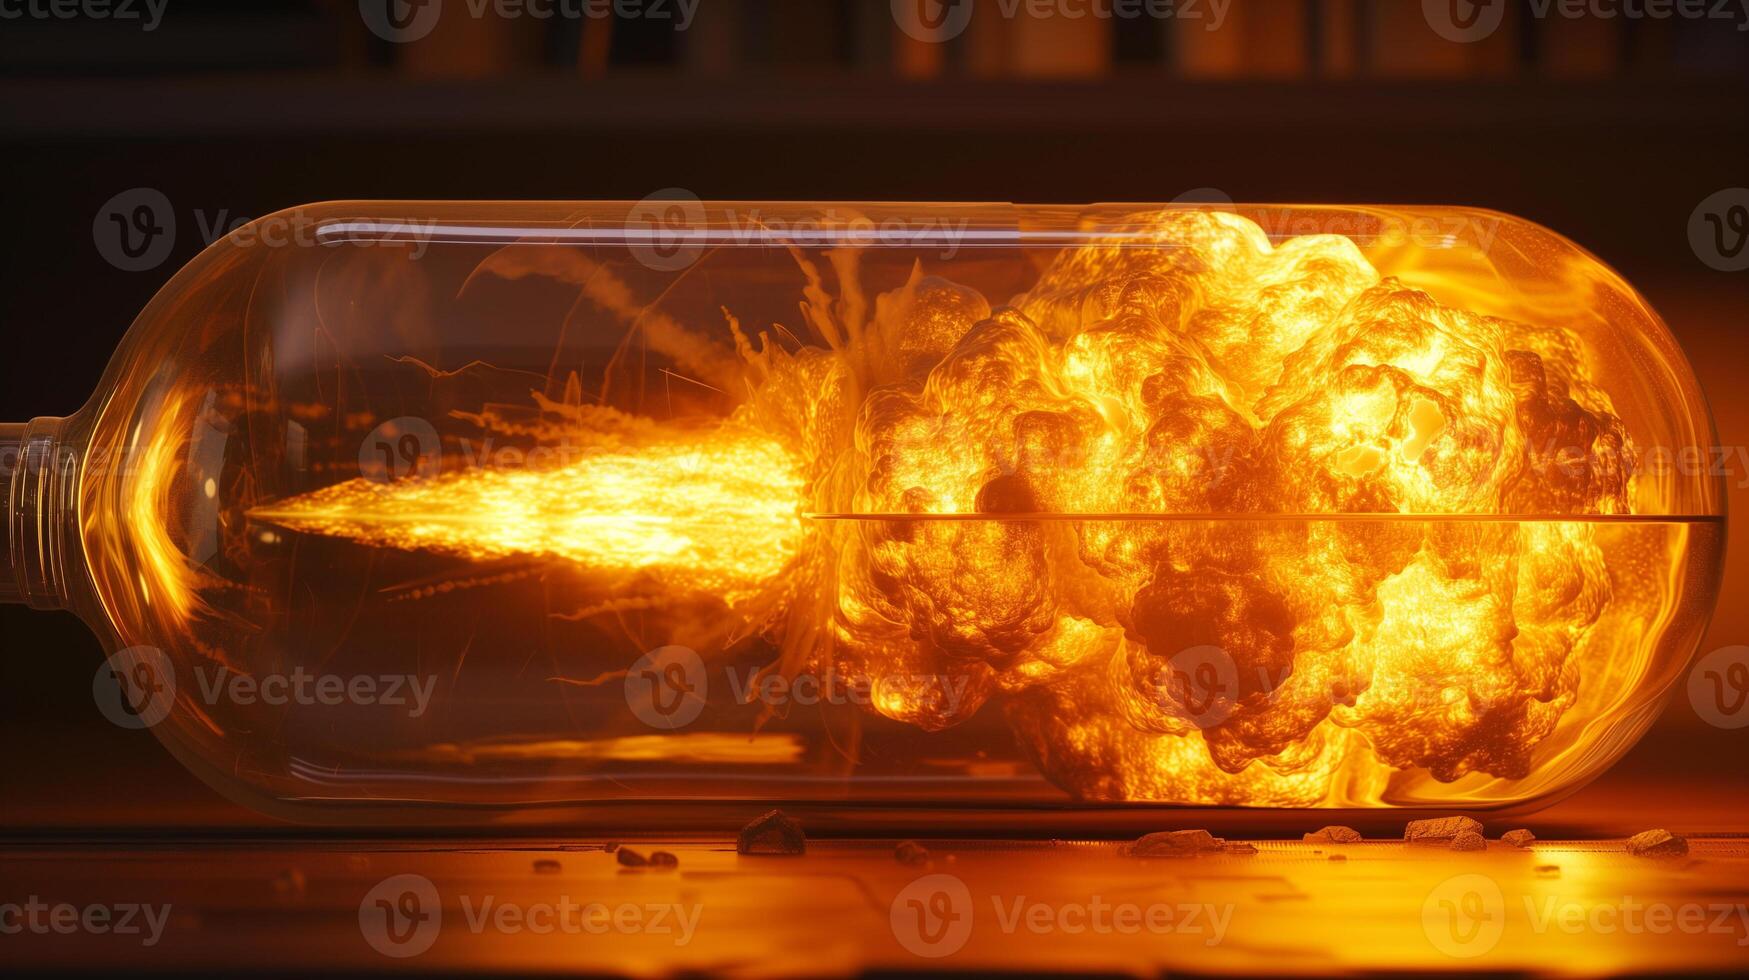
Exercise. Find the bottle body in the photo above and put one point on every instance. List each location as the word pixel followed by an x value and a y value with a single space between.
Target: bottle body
pixel 491 507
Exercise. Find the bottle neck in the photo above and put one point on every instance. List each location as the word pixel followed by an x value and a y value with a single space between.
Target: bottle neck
pixel 39 485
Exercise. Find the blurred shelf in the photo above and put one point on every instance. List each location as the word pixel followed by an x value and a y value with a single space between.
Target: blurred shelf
pixel 277 103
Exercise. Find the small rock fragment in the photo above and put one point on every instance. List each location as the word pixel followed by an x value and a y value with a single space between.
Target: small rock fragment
pixel 911 852
pixel 1518 838
pixel 1175 843
pixel 1548 870
pixel 1333 835
pixel 1240 847
pixel 546 866
pixel 630 858
pixel 1657 843
pixel 772 833
pixel 1338 857
pixel 1439 830
pixel 1469 840
pixel 663 859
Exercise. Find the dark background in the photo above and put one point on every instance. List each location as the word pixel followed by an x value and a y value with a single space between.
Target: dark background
pixel 1609 130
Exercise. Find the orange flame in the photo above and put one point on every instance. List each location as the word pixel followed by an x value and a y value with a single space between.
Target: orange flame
pixel 717 514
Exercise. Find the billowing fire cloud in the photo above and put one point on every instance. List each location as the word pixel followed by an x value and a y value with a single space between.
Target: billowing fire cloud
pixel 1217 560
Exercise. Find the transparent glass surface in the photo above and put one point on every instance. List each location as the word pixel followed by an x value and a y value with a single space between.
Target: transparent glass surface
pixel 502 505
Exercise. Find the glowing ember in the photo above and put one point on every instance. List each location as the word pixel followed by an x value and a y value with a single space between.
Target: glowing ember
pixel 1141 649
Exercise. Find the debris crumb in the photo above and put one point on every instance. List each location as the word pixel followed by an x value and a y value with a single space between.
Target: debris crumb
pixel 1240 847
pixel 1175 843
pixel 911 852
pixel 1439 830
pixel 1333 835
pixel 1657 843
pixel 546 866
pixel 1338 857
pixel 772 833
pixel 1548 870
pixel 663 859
pixel 1469 840
pixel 1518 838
pixel 631 858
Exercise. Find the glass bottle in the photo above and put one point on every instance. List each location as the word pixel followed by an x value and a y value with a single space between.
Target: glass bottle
pixel 468 511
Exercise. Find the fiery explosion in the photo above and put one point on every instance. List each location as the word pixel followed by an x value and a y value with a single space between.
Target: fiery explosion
pixel 1183 509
